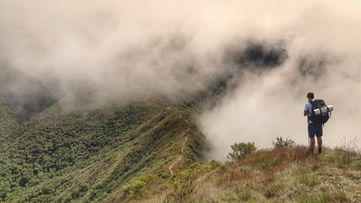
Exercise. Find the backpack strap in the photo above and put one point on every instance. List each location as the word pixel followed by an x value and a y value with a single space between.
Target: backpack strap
pixel 309 117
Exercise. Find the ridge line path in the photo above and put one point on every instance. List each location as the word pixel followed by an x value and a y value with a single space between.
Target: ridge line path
pixel 180 156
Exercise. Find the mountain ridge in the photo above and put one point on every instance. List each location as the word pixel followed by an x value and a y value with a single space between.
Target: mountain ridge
pixel 153 151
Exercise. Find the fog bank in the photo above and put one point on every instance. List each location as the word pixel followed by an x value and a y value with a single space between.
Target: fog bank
pixel 270 52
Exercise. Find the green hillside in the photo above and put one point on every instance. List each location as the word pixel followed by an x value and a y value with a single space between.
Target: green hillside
pixel 65 156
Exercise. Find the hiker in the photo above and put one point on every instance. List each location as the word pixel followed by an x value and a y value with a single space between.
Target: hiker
pixel 314 128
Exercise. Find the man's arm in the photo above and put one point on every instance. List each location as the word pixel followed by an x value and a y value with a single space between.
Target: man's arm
pixel 306 110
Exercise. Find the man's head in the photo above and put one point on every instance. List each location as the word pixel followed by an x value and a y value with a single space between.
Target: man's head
pixel 310 96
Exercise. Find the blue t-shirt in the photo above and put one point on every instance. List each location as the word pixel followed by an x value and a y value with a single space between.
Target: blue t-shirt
pixel 308 108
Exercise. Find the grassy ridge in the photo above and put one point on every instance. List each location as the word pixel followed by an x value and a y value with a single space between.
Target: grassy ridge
pixel 277 175
pixel 286 175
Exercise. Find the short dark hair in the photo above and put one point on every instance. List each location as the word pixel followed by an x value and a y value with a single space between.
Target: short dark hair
pixel 310 95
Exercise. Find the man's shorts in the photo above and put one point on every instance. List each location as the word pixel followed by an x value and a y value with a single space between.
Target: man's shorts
pixel 314 129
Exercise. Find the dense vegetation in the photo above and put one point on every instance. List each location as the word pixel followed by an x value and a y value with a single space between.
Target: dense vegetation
pixel 86 155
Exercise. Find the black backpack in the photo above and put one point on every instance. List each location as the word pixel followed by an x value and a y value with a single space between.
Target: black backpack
pixel 321 118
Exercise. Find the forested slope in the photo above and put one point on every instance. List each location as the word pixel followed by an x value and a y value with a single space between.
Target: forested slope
pixel 59 155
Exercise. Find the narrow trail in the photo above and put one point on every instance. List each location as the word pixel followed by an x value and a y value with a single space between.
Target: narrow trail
pixel 180 156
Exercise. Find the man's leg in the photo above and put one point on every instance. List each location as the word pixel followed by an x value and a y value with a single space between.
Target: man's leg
pixel 319 143
pixel 312 144
pixel 319 138
pixel 311 135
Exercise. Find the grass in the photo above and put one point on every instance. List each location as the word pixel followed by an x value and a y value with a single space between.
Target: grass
pixel 290 176
pixel 341 158
pixel 327 194
pixel 240 193
pixel 310 179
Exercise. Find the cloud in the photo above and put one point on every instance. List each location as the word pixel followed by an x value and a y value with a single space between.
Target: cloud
pixel 322 57
pixel 265 56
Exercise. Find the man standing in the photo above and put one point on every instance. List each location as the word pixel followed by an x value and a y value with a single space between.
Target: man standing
pixel 313 127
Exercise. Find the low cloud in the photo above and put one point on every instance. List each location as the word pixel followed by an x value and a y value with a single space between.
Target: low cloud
pixel 264 55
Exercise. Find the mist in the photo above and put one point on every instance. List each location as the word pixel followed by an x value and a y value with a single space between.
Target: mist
pixel 272 54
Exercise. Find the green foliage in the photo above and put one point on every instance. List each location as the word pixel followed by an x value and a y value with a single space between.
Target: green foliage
pixel 280 142
pixel 184 183
pixel 215 164
pixel 93 155
pixel 136 188
pixel 164 175
pixel 55 143
pixel 241 150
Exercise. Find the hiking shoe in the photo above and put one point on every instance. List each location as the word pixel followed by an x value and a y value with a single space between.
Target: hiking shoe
pixel 319 150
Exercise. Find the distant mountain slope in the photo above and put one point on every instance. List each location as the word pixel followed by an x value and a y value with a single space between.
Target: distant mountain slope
pixel 26 95
pixel 7 120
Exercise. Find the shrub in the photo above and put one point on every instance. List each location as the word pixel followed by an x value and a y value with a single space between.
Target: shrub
pixel 135 189
pixel 164 175
pixel 23 181
pixel 79 190
pixel 215 164
pixel 280 142
pixel 184 184
pixel 241 150
pixel 138 188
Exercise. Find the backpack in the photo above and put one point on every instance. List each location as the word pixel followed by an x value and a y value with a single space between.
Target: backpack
pixel 321 118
